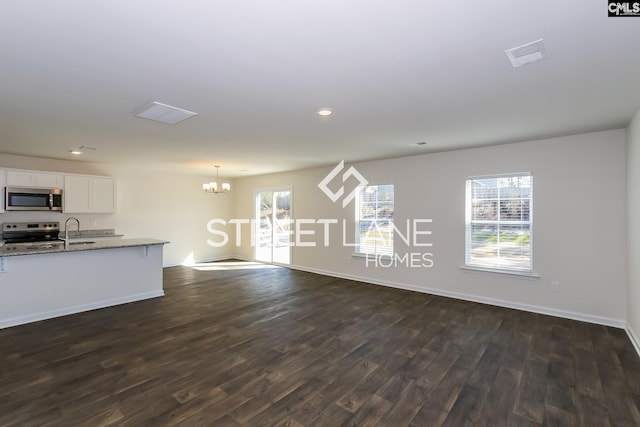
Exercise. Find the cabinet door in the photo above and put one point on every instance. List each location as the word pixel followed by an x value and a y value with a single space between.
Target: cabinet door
pixel 102 195
pixel 3 182
pixel 35 179
pixel 76 194
pixel 49 180
pixel 21 179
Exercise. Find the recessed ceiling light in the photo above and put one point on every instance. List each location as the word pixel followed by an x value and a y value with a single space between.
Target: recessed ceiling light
pixel 81 150
pixel 164 113
pixel 324 112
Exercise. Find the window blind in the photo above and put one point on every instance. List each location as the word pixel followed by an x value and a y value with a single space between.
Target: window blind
pixel 499 222
pixel 374 220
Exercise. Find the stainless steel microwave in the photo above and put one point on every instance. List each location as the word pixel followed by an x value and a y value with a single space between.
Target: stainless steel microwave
pixel 32 199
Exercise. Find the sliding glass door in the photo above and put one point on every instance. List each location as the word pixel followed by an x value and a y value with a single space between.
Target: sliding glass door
pixel 273 226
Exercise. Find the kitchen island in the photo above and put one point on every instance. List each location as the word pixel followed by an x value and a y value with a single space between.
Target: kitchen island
pixel 42 282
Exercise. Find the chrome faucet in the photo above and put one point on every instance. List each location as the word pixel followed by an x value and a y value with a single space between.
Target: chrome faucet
pixel 66 230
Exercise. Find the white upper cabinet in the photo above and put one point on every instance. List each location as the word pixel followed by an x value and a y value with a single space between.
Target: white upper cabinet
pixel 3 182
pixel 88 194
pixel 26 178
pixel 81 193
pixel 102 195
pixel 49 180
pixel 21 179
pixel 76 194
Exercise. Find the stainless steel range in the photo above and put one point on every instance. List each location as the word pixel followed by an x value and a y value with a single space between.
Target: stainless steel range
pixel 31 235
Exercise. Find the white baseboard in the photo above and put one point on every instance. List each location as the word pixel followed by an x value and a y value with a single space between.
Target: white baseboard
pixel 606 321
pixel 634 338
pixel 78 309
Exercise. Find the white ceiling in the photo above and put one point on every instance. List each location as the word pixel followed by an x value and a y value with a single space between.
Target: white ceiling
pixel 72 72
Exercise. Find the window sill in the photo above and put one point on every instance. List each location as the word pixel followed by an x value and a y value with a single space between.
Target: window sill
pixel 369 256
pixel 521 274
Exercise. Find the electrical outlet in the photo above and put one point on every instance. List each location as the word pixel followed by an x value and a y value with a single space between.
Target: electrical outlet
pixel 94 222
pixel 555 286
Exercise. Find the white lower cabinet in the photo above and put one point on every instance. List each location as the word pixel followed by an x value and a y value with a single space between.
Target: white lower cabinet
pixel 85 194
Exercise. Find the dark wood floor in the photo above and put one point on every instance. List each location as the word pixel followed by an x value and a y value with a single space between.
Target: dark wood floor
pixel 264 347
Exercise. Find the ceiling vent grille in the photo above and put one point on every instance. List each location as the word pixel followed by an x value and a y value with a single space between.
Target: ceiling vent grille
pixel 527 53
pixel 163 113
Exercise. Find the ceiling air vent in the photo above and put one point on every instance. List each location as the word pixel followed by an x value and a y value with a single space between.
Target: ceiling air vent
pixel 164 113
pixel 527 53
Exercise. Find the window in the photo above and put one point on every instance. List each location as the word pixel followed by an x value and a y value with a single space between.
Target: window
pixel 498 222
pixel 374 220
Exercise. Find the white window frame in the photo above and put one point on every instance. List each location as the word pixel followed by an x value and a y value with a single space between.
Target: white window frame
pixel 385 250
pixel 497 267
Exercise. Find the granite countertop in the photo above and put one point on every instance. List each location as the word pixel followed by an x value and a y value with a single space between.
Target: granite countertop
pixel 82 234
pixel 57 247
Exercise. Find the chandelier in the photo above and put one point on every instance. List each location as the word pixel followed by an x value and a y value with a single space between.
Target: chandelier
pixel 215 186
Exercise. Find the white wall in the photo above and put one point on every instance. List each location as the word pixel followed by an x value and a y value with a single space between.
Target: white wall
pixel 633 224
pixel 150 203
pixel 579 223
